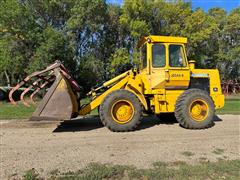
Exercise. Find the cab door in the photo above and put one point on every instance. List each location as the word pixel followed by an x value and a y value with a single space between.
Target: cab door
pixel 177 71
pixel 157 65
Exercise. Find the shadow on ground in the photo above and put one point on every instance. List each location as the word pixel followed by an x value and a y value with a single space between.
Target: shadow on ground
pixel 94 122
pixel 216 118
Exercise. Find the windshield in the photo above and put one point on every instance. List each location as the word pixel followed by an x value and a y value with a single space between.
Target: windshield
pixel 176 56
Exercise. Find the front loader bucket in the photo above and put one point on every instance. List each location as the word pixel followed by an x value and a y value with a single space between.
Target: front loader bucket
pixel 60 101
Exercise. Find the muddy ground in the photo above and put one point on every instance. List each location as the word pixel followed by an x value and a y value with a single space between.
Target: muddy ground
pixel 71 145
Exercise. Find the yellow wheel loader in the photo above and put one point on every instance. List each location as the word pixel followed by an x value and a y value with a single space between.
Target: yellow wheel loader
pixel 166 82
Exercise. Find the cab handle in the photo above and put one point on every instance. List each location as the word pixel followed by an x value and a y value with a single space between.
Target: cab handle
pixel 167 75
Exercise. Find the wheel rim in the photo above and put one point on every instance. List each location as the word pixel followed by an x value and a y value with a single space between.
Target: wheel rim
pixel 122 111
pixel 198 110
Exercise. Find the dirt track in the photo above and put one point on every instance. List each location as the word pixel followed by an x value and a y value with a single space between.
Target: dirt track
pixel 73 144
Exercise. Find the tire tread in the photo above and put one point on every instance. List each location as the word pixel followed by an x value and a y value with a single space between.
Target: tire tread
pixel 180 109
pixel 107 123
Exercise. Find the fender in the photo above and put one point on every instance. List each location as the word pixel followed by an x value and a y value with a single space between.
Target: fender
pixel 135 85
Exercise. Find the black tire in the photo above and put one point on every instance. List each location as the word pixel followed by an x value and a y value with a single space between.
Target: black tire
pixel 183 114
pixel 105 111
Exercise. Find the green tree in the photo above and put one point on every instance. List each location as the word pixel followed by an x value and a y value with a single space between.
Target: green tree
pixel 97 41
pixel 120 62
pixel 199 28
pixel 215 43
pixel 169 18
pixel 33 34
pixel 19 34
pixel 134 20
pixel 229 55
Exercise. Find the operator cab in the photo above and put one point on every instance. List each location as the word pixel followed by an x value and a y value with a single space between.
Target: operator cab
pixel 164 59
pixel 159 47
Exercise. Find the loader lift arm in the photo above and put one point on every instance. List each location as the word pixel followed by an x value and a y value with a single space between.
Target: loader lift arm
pixel 126 80
pixel 97 100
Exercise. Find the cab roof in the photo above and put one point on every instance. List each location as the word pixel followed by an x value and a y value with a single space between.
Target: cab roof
pixel 166 39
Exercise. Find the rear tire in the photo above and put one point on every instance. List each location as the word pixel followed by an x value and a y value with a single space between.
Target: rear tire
pixel 194 109
pixel 121 111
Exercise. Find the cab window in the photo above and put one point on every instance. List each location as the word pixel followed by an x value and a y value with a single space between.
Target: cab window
pixel 176 56
pixel 144 56
pixel 158 55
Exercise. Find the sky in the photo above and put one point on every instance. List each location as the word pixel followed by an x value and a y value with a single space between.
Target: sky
pixel 228 5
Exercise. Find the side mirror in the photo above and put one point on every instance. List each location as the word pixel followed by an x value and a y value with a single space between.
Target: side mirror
pixel 192 64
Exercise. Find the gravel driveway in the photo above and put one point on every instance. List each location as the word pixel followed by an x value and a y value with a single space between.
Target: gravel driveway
pixel 71 145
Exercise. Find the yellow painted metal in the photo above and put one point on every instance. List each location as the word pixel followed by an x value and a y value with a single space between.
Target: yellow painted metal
pixel 192 64
pixel 177 77
pixel 117 78
pixel 213 76
pixel 164 39
pixel 108 83
pixel 156 76
pixel 198 110
pixel 159 104
pixel 122 111
pixel 160 87
pixel 214 79
pixel 168 77
pixel 62 85
pixel 219 100
pixel 97 101
pixel 135 85
pixel 74 101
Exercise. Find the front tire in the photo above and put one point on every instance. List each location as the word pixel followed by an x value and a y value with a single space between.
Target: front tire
pixel 194 109
pixel 121 111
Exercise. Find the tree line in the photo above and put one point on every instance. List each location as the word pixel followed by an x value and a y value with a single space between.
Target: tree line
pixel 96 40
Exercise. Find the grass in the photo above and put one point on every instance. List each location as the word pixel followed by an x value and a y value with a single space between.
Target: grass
pixel 31 175
pixel 8 111
pixel 224 169
pixel 19 111
pixel 232 106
